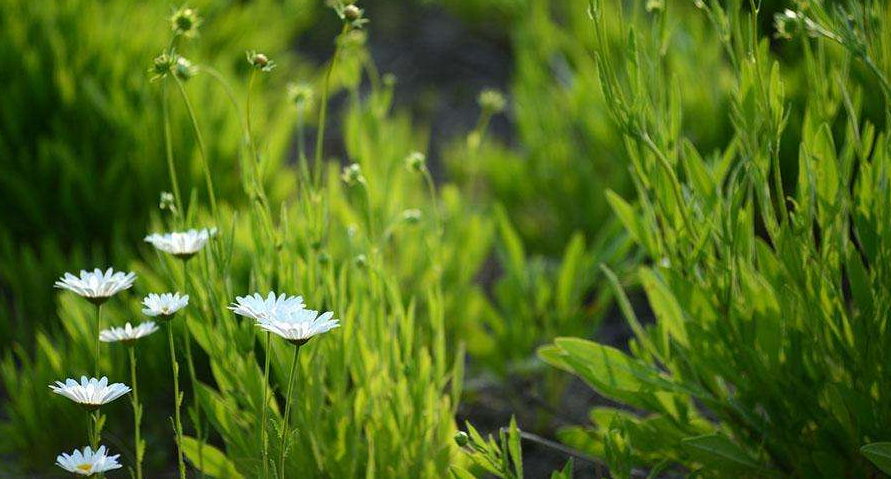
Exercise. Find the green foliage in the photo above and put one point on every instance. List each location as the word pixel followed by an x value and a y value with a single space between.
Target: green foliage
pixel 768 285
pixel 80 172
pixel 502 458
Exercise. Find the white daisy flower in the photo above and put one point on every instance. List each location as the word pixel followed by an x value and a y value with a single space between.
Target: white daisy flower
pixel 299 325
pixel 90 393
pixel 164 305
pixel 87 463
pixel 97 286
pixel 256 307
pixel 128 334
pixel 182 244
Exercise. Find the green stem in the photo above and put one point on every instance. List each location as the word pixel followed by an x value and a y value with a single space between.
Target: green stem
pixel 285 432
pixel 177 402
pixel 137 413
pixel 323 109
pixel 98 342
pixel 263 407
pixel 193 378
pixel 168 148
pixel 675 183
pixel 201 149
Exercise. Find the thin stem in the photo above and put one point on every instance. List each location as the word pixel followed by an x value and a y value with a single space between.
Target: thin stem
pixel 201 149
pixel 98 343
pixel 168 149
pixel 177 402
pixel 323 109
pixel 137 413
pixel 284 430
pixel 264 407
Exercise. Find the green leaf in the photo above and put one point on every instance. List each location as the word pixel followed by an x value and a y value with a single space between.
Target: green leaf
pixel 879 453
pixel 461 473
pixel 216 464
pixel 717 449
pixel 630 219
pixel 666 308
pixel 516 453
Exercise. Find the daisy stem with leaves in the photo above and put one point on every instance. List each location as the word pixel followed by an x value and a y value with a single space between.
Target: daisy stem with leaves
pixel 264 441
pixel 177 402
pixel 96 418
pixel 137 412
pixel 284 432
pixel 187 340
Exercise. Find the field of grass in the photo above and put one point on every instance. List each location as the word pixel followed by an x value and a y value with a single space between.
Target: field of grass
pixel 445 238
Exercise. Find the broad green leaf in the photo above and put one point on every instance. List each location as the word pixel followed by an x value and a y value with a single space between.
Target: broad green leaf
pixel 216 464
pixel 879 453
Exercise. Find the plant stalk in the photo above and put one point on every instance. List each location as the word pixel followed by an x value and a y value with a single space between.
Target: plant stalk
pixel 284 432
pixel 177 402
pixel 137 413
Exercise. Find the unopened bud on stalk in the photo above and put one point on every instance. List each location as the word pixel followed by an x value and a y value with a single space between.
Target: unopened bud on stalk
pixel 461 438
pixel 185 21
pixel 324 258
pixel 492 101
pixel 361 261
pixel 260 61
pixel 352 175
pixel 352 13
pixel 167 201
pixel 416 161
pixel 411 216
pixel 300 94
pixel 184 69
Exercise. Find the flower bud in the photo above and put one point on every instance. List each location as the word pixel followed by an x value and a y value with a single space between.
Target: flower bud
pixel 411 216
pixel 787 24
pixel 260 61
pixel 352 13
pixel 185 22
pixel 492 101
pixel 352 175
pixel 163 64
pixel 184 69
pixel 300 94
pixel 167 201
pixel 324 257
pixel 416 161
pixel 461 438
pixel 361 261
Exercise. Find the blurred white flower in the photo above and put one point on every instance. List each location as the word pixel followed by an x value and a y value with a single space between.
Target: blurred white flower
pixel 91 392
pixel 128 334
pixel 95 285
pixel 164 305
pixel 182 244
pixel 299 325
pixel 256 307
pixel 87 463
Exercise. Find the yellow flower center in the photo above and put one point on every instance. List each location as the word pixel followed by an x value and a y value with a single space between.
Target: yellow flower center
pixel 85 467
